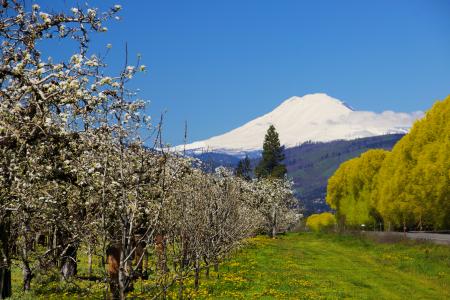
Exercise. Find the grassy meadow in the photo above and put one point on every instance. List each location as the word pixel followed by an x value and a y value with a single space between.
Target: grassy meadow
pixel 300 266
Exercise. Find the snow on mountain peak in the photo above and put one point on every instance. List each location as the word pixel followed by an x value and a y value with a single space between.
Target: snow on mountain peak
pixel 313 117
pixel 311 100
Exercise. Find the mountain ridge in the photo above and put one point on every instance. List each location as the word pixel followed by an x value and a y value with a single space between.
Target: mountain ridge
pixel 312 117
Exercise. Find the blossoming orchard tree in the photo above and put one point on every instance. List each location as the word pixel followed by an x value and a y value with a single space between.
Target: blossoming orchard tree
pixel 75 176
pixel 46 108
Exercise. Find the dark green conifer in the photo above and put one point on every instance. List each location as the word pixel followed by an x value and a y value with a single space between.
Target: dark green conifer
pixel 272 157
pixel 243 169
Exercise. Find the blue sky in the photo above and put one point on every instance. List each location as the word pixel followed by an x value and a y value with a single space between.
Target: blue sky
pixel 218 64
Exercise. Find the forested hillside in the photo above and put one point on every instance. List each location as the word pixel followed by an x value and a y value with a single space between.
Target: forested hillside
pixel 311 164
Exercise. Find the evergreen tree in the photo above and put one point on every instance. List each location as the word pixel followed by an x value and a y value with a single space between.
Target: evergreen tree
pixel 243 169
pixel 272 156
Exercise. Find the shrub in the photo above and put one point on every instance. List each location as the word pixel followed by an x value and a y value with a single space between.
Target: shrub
pixel 321 222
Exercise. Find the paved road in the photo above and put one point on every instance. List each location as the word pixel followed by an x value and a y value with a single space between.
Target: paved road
pixel 437 238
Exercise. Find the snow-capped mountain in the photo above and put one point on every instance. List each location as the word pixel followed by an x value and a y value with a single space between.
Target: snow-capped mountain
pixel 313 117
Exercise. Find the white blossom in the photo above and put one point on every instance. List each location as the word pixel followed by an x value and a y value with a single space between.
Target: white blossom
pixel 76 58
pixel 91 12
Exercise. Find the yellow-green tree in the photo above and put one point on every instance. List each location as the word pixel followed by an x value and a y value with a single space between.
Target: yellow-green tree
pixel 349 190
pixel 321 222
pixel 414 182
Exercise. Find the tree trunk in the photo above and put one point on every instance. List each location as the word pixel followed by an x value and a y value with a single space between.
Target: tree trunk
pixel 113 261
pixel 207 267
pixel 161 253
pixel 26 248
pixel 145 273
pixel 139 256
pixel 54 241
pixel 124 263
pixel 122 278
pixel 27 276
pixel 273 232
pixel 404 228
pixel 69 262
pixel 197 274
pixel 5 280
pixel 216 267
pixel 5 264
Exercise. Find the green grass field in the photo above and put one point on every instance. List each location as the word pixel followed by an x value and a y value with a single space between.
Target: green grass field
pixel 310 266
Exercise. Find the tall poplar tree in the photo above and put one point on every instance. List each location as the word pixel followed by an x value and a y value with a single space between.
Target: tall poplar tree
pixel 272 156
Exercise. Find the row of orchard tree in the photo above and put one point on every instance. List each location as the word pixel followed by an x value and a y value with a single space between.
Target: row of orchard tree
pixel 406 188
pixel 75 175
